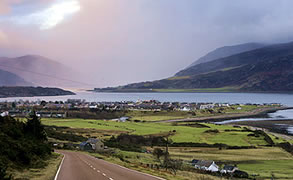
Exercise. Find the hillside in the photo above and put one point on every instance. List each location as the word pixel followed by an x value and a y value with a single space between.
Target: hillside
pixel 39 70
pixel 23 145
pixel 32 91
pixel 265 69
pixel 10 79
pixel 227 51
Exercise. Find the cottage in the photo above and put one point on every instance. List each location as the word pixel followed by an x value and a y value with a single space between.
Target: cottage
pixel 229 169
pixel 123 119
pixel 207 106
pixel 194 161
pixel 3 114
pixel 207 166
pixel 85 146
pixel 97 144
pixel 185 108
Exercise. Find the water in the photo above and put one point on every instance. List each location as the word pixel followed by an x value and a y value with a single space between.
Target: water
pixel 285 99
pixel 282 115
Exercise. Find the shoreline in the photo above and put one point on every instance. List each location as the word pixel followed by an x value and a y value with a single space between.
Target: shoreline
pixel 187 91
pixel 254 114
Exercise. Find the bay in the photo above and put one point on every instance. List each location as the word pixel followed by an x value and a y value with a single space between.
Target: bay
pixel 259 98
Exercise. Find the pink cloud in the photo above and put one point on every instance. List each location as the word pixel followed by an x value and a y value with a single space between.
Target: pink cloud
pixel 5 6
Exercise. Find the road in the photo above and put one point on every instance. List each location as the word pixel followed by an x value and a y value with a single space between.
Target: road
pixel 79 166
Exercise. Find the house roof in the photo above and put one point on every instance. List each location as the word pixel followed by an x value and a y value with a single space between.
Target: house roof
pixel 194 161
pixel 93 140
pixel 83 143
pixel 229 167
pixel 204 163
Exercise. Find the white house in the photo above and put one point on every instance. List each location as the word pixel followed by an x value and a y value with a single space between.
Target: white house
pixel 123 119
pixel 185 108
pixel 6 113
pixel 229 169
pixel 207 106
pixel 207 166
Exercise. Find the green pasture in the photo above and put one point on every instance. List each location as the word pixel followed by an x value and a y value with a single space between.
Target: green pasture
pixel 261 161
pixel 182 133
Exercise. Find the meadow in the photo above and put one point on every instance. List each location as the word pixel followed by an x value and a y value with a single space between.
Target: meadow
pixel 152 116
pixel 229 135
pixel 261 161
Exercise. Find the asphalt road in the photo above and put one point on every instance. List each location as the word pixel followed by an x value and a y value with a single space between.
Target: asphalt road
pixel 79 166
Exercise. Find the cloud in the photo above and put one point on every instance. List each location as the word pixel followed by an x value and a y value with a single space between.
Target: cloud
pixel 6 6
pixel 46 17
pixel 118 42
pixel 2 38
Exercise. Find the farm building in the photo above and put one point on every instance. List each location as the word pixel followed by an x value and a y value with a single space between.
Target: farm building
pixel 97 144
pixel 85 146
pixel 229 169
pixel 207 166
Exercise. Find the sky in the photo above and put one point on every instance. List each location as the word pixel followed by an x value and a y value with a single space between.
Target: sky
pixel 116 42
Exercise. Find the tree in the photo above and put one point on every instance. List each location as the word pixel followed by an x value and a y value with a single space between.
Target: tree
pixel 43 103
pixel 13 105
pixel 35 128
pixel 158 153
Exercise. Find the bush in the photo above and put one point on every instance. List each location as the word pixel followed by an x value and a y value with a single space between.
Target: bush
pixel 240 174
pixel 212 131
pixel 22 144
pixel 3 168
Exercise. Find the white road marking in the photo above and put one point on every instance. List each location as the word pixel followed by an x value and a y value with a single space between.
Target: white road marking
pixel 132 170
pixel 104 174
pixel 56 176
pixel 111 179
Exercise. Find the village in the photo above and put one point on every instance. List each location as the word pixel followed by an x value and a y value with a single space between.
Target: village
pixel 59 109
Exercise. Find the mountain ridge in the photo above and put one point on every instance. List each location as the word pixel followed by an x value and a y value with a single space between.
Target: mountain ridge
pixel 39 70
pixel 269 68
pixel 11 79
pixel 226 51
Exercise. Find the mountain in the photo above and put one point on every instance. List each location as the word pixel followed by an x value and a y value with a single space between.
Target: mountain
pixel 10 79
pixel 39 70
pixel 264 69
pixel 227 51
pixel 32 91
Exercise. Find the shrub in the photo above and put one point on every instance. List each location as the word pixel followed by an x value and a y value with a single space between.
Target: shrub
pixel 212 131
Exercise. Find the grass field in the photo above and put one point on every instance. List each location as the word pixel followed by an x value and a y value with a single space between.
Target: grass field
pixel 46 173
pixel 182 133
pixel 261 161
pixel 215 90
pixel 135 159
pixel 157 116
pixel 170 115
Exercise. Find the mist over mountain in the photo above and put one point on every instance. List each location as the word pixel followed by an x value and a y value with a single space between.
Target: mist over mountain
pixel 226 51
pixel 264 69
pixel 38 70
pixel 10 79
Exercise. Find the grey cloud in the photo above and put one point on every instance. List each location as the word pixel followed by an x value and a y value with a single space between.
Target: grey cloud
pixel 118 42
